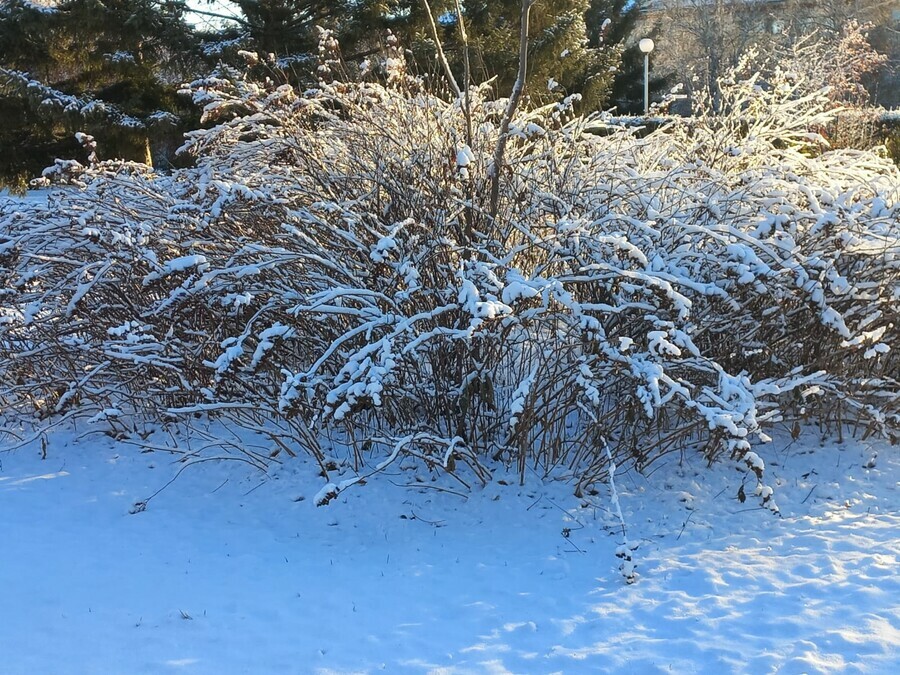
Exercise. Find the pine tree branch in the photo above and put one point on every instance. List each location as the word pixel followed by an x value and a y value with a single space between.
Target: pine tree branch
pixel 215 15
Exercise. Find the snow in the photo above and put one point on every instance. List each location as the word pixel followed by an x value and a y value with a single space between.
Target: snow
pixel 30 197
pixel 179 264
pixel 231 571
pixel 520 398
pixel 41 6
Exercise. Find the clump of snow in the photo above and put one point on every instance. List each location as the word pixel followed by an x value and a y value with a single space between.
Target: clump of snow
pixel 179 264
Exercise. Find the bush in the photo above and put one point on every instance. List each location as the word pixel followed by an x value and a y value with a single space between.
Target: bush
pixel 331 267
pixel 892 144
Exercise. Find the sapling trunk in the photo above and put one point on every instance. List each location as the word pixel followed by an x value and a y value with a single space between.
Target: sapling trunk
pixel 514 98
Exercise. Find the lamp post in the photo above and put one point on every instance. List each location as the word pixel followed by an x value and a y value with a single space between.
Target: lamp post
pixel 646 46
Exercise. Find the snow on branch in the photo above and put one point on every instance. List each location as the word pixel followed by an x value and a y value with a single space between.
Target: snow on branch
pixel 45 97
pixel 327 267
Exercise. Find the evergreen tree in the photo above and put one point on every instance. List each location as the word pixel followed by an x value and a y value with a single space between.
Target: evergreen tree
pixel 287 27
pixel 108 68
pixel 560 56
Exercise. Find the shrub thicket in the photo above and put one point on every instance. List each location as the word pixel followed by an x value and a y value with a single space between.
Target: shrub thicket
pixel 331 266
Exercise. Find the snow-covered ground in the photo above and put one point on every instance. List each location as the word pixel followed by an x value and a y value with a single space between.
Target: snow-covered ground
pixel 232 571
pixel 34 196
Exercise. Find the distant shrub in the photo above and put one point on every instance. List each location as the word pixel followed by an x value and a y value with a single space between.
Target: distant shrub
pixel 858 129
pixel 892 144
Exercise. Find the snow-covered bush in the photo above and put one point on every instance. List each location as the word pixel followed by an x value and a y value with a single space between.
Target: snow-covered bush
pixel 331 267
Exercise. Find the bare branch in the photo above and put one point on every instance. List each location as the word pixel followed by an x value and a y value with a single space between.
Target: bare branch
pixel 451 80
pixel 512 104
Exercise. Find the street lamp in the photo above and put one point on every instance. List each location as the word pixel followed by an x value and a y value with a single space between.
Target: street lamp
pixel 646 46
